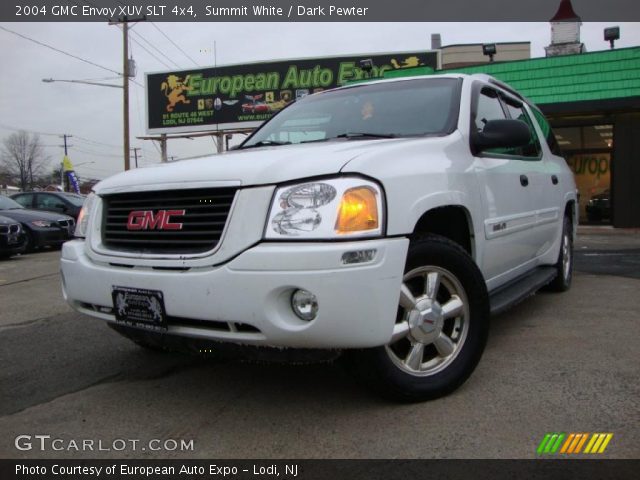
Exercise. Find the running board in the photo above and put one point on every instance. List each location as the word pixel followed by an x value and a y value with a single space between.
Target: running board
pixel 512 293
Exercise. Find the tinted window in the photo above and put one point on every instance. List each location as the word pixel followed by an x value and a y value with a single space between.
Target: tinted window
pixel 403 108
pixel 533 148
pixel 75 200
pixel 489 108
pixel 24 200
pixel 7 204
pixel 49 202
pixel 547 132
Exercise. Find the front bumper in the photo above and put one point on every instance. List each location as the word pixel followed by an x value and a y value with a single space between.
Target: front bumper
pixel 12 247
pixel 46 237
pixel 247 300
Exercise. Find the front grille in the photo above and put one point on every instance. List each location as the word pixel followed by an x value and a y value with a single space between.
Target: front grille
pixel 66 223
pixel 14 228
pixel 206 212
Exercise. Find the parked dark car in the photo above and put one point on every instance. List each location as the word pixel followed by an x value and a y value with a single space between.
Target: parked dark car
pixel 12 237
pixel 60 202
pixel 599 207
pixel 41 228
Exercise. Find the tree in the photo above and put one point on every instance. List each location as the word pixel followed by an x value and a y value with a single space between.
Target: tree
pixel 23 158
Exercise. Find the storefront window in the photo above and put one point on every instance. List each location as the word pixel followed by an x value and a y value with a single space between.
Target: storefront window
pixel 588 153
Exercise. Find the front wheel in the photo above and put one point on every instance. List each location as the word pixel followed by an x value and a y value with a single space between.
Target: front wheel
pixel 441 326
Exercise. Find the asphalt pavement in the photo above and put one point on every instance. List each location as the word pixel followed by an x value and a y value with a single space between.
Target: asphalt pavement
pixel 556 362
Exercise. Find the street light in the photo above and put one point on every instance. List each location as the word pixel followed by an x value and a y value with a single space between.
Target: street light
pixel 125 102
pixel 51 80
pixel 612 34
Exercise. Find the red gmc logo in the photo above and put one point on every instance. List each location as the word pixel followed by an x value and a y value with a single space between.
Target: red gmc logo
pixel 147 220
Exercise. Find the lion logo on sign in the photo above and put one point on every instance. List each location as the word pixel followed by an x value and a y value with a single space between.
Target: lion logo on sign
pixel 121 304
pixel 408 62
pixel 173 89
pixel 155 308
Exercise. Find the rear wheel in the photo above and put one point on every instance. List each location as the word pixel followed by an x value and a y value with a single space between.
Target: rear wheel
pixel 564 265
pixel 441 326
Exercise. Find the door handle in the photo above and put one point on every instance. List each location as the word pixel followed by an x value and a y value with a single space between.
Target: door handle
pixel 554 179
pixel 524 180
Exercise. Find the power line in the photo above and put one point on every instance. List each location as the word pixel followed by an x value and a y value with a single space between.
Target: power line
pixel 151 54
pixel 146 50
pixel 58 50
pixel 154 47
pixel 174 44
pixel 6 127
pixel 95 142
pixel 89 152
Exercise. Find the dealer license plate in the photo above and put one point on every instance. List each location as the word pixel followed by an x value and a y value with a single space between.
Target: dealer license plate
pixel 139 307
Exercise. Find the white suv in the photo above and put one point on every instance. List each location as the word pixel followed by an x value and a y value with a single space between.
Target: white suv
pixel 386 219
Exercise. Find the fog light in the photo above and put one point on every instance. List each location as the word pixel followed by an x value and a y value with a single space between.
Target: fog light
pixel 359 256
pixel 304 304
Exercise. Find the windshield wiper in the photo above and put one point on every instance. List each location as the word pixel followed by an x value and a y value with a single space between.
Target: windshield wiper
pixel 266 143
pixel 365 135
pixel 316 140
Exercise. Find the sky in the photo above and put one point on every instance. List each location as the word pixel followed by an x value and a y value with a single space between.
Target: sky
pixel 93 115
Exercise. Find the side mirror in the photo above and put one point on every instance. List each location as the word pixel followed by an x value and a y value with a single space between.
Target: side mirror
pixel 502 134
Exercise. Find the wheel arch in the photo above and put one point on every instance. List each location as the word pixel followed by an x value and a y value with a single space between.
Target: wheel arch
pixel 450 221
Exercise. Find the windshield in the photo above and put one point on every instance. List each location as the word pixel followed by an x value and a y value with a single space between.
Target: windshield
pixel 394 109
pixel 76 200
pixel 7 203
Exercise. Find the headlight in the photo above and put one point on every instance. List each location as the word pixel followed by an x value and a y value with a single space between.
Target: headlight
pixel 333 208
pixel 83 217
pixel 41 223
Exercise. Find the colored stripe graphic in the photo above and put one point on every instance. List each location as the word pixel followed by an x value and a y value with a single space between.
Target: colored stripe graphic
pixel 572 443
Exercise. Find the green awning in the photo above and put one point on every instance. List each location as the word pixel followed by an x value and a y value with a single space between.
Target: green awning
pixel 569 78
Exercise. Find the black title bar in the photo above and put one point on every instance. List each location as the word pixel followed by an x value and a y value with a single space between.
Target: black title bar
pixel 313 10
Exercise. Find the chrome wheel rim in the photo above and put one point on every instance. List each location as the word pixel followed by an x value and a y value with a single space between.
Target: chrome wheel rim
pixel 432 322
pixel 566 256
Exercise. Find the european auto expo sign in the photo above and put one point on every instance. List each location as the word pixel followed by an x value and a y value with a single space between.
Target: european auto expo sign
pixel 237 96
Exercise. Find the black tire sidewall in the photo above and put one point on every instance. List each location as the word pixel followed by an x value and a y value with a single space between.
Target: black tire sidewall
pixel 395 383
pixel 562 283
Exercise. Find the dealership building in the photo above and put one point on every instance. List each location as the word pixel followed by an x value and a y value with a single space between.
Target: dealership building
pixel 593 103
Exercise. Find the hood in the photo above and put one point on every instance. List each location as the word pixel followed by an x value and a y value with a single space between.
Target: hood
pixel 7 220
pixel 26 215
pixel 254 166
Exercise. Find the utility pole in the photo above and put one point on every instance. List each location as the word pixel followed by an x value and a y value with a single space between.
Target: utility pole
pixel 135 154
pixel 125 82
pixel 66 153
pixel 125 86
pixel 163 147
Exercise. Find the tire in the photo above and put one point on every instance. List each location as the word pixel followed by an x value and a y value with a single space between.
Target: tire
pixel 439 352
pixel 564 265
pixel 30 244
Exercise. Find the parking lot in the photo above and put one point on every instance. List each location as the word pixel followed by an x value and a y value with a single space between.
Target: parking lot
pixel 555 363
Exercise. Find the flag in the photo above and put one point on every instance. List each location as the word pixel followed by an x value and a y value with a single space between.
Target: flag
pixel 67 166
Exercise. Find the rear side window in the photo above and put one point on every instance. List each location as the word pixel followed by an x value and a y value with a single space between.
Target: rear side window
pixel 547 132
pixel 48 202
